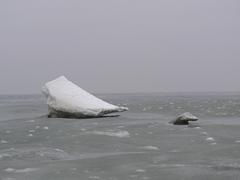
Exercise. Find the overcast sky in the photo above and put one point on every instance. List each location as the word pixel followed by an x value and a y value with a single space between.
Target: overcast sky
pixel 120 45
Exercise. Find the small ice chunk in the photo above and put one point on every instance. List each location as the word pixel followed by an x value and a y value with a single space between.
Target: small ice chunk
pixel 31 131
pixel 9 170
pixel 59 150
pixel 120 134
pixel 150 148
pixel 210 139
pixel 30 135
pixel 4 142
pixel 26 170
pixel 120 127
pixel 46 128
pixel 30 121
pixel 141 170
pixel 4 155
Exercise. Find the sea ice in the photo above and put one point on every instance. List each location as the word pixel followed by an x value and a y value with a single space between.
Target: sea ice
pixel 204 133
pixel 9 170
pixel 20 170
pixel 66 100
pixel 27 170
pixel 141 170
pixel 150 147
pixel 210 139
pixel 120 134
pixel 184 119
pixel 4 142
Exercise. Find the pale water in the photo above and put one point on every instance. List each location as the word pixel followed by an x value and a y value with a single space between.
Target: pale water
pixel 137 145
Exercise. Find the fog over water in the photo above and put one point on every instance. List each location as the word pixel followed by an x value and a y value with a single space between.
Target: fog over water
pixel 120 46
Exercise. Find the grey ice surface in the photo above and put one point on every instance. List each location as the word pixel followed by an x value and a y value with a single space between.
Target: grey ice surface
pixel 139 144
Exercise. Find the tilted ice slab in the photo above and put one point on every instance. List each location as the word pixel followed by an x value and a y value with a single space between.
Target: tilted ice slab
pixel 66 100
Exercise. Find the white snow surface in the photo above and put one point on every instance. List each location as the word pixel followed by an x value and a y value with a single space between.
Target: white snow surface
pixel 65 97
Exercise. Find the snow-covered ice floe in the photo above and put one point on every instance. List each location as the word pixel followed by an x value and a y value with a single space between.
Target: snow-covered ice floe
pixel 66 100
pixel 184 119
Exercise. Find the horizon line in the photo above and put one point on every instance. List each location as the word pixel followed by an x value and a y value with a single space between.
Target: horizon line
pixel 153 92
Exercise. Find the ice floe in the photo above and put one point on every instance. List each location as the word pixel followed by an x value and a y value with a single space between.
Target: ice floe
pixel 184 119
pixel 210 139
pixel 66 100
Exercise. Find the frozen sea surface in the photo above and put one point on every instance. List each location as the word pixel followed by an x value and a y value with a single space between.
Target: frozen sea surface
pixel 138 145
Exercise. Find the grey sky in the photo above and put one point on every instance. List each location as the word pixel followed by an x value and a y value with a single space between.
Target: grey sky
pixel 120 45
